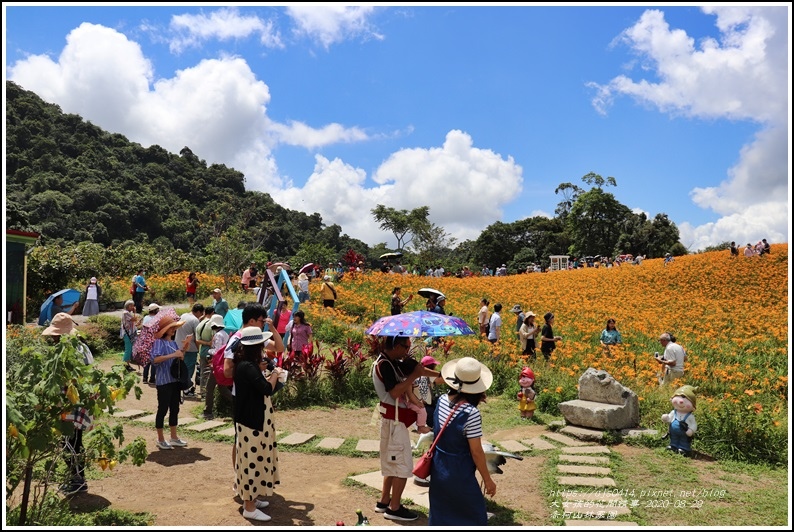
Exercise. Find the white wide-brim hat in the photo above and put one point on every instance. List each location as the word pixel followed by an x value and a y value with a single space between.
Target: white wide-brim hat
pixel 467 375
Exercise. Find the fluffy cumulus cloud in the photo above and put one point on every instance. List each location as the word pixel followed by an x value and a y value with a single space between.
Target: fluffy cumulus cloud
pixel 741 76
pixel 463 185
pixel 332 23
pixel 217 108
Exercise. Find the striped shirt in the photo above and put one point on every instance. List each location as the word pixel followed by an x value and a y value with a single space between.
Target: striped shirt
pixel 162 371
pixel 473 426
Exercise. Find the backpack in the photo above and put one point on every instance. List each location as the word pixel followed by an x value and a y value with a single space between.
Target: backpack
pixel 217 367
pixel 179 371
pixel 142 348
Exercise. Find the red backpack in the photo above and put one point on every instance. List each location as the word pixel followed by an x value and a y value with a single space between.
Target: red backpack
pixel 217 365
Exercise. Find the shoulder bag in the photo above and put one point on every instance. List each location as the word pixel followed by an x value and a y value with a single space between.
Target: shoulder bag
pixel 422 467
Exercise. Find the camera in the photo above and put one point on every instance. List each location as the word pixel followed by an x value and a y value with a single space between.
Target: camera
pixel 656 354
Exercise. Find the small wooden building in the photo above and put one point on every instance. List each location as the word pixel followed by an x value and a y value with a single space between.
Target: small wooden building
pixel 558 262
pixel 17 244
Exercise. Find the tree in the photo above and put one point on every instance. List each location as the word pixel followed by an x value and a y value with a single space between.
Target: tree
pixel 405 225
pixel 228 253
pixel 569 193
pixel 594 223
pixel 433 244
pixel 35 401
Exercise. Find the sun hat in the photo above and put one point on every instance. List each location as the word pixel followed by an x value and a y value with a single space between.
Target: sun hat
pixel 217 321
pixel 427 360
pixel 467 375
pixel 93 280
pixel 441 298
pixel 516 308
pixel 216 291
pixel 167 323
pixel 128 303
pixel 303 277
pixel 254 335
pixel 529 313
pixel 153 306
pixel 61 324
pixel 327 278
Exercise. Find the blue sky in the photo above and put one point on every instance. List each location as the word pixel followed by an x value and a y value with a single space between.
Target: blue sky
pixel 478 112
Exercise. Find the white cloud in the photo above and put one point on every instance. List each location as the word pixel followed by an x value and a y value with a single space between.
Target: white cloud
pixel 218 109
pixel 332 23
pixel 223 24
pixel 299 134
pixel 743 76
pixel 453 179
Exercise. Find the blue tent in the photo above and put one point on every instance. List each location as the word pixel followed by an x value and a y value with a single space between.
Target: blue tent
pixel 70 297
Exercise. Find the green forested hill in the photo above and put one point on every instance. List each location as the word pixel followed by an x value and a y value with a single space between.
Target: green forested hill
pixel 68 179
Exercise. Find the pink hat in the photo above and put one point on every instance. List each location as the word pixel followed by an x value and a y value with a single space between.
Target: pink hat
pixel 429 361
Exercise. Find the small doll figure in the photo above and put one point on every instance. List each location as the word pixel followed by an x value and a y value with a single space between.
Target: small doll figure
pixel 682 421
pixel 526 396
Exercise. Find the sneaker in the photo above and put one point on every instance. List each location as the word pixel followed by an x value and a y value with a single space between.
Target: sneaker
pixel 400 514
pixel 164 445
pixel 129 368
pixel 189 394
pixel 257 515
pixel 208 416
pixel 381 507
pixel 179 442
pixel 262 504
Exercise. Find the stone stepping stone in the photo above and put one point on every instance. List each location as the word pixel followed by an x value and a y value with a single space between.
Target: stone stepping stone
pixel 226 432
pixel 587 449
pixel 417 493
pixel 596 482
pixel 207 425
pixel 583 470
pixel 539 443
pixel 598 522
pixel 512 446
pixel 636 433
pixel 331 443
pixel 573 495
pixel 581 459
pixel 296 438
pixel 583 433
pixel 147 419
pixel 563 439
pixel 595 508
pixel 128 414
pixel 186 420
pixel 368 446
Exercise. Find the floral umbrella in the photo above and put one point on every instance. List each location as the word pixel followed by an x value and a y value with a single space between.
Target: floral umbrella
pixel 420 323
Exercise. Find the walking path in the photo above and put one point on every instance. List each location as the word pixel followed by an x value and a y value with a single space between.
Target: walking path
pixel 587 494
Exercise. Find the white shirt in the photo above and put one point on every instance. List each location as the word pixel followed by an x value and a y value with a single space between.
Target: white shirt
pixel 675 352
pixel 496 324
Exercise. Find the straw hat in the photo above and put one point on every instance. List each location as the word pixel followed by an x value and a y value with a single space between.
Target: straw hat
pixel 467 375
pixel 254 335
pixel 167 323
pixel 217 321
pixel 61 324
pixel 153 306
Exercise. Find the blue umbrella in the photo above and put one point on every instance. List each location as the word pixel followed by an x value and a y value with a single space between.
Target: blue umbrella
pixel 233 320
pixel 70 297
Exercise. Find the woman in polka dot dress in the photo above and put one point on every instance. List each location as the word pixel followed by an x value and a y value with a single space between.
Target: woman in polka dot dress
pixel 257 457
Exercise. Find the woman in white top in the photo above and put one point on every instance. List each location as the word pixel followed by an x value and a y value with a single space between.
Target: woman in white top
pixel 527 334
pixel 92 294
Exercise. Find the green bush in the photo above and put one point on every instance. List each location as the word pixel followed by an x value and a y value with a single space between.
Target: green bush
pixel 742 429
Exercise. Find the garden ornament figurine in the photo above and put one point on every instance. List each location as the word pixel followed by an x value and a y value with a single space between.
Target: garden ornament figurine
pixel 526 396
pixel 682 420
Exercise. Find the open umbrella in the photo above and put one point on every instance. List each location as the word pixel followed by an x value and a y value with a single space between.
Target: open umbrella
pixel 394 255
pixel 429 292
pixel 70 297
pixel 275 265
pixel 420 323
pixel 306 268
pixel 233 320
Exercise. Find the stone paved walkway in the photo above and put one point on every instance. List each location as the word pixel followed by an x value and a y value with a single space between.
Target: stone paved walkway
pixel 587 495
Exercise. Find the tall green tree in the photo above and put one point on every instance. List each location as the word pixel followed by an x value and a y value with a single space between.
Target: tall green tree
pixel 595 223
pixel 404 224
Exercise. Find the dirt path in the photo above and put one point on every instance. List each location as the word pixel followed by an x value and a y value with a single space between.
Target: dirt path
pixel 192 486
